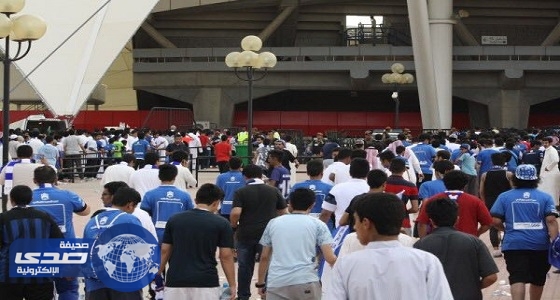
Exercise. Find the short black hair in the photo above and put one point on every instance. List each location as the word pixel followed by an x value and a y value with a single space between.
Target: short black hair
pixel 113 186
pixel 359 167
pixel 376 178
pixel 252 171
pixel 315 167
pixel 361 153
pixel 151 158
pixel 126 195
pixel 179 156
pixel 455 180
pixel 397 166
pixel 386 155
pixel 344 153
pixel 167 172
pixel 208 193
pixel 45 174
pixel 129 158
pixel 21 195
pixel 442 166
pixel 442 211
pixel 443 154
pixel 235 163
pixel 24 151
pixel 302 199
pixel 278 154
pixel 385 210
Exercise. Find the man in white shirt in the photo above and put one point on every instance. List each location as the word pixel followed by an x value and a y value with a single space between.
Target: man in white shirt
pixel 374 273
pixel 185 178
pixel 145 179
pixel 121 171
pixel 339 171
pixel 293 149
pixel 340 195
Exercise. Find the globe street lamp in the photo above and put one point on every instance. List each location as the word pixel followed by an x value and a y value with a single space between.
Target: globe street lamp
pixel 250 60
pixel 22 29
pixel 397 78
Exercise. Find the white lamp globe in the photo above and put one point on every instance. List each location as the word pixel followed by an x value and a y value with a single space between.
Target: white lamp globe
pixel 251 43
pixel 232 60
pixel 269 59
pixel 11 6
pixel 28 28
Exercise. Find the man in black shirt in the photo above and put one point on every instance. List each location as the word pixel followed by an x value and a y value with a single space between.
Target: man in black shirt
pixel 177 144
pixel 23 221
pixel 189 245
pixel 253 206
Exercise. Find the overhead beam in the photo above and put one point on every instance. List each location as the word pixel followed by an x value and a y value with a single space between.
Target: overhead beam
pixel 271 28
pixel 464 33
pixel 553 37
pixel 157 36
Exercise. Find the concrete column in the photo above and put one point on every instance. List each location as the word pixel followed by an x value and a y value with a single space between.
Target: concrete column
pixel 441 39
pixel 209 104
pixel 424 64
pixel 510 110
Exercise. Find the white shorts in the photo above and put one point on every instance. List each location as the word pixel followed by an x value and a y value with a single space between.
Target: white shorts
pixel 171 293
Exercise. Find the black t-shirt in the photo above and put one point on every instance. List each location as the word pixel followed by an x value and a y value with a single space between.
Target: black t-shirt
pixel 259 204
pixel 195 235
pixel 352 208
pixel 174 147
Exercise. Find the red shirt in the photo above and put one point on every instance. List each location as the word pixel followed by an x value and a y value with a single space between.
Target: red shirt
pixel 472 211
pixel 405 190
pixel 204 140
pixel 222 150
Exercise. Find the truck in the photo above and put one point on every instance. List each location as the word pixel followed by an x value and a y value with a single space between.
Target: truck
pixel 41 123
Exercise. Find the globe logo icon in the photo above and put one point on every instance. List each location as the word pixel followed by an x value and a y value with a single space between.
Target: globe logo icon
pixel 127 258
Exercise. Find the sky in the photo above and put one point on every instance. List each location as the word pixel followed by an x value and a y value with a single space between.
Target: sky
pixel 352 21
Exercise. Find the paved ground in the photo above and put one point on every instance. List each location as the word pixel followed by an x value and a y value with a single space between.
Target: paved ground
pixel 91 192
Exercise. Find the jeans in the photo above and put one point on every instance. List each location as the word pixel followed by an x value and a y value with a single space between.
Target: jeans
pixel 246 252
pixel 67 289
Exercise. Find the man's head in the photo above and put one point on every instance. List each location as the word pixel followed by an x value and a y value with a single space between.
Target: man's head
pixel 21 195
pixel 109 190
pixel 386 157
pixel 442 155
pixel 178 139
pixel 547 141
pixel 376 179
pixel 275 157
pixel 126 199
pixel 359 168
pixel 398 166
pixel 442 212
pixel 151 158
pixel 24 151
pixel 378 214
pixel 498 159
pixel 302 199
pixel 209 194
pixel 455 180
pixel 167 173
pixel 344 155
pixel 235 163
pixel 44 174
pixel 130 159
pixel 252 171
pixel 279 144
pixel 315 168
pixel 526 176
pixel 443 166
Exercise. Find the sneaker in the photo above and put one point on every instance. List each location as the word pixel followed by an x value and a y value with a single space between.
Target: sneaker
pixel 497 253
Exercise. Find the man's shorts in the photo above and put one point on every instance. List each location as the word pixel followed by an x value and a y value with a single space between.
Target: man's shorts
pixel 527 266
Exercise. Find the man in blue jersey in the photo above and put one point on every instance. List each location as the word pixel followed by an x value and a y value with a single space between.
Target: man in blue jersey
pixel 140 148
pixel 279 176
pixel 484 157
pixel 125 201
pixel 23 221
pixel 425 154
pixel 314 183
pixel 60 205
pixel 166 200
pixel 230 182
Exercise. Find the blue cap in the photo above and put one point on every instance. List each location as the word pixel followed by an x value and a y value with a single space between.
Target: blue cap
pixel 554 253
pixel 526 172
pixel 465 146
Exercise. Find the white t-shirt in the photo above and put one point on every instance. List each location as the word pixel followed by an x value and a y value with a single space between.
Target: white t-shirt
pixel 119 172
pixel 341 194
pixel 144 179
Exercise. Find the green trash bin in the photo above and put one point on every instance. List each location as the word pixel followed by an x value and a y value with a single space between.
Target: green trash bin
pixel 242 151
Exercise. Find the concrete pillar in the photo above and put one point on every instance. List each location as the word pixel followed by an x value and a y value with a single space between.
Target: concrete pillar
pixel 424 64
pixel 441 38
pixel 209 104
pixel 509 111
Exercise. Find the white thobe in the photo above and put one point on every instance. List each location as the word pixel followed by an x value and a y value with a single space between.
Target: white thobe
pixel 550 179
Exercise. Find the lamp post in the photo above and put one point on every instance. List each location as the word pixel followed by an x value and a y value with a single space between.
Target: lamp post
pixel 250 60
pixel 397 78
pixel 22 29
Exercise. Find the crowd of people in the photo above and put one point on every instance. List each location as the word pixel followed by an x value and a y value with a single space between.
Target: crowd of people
pixel 386 207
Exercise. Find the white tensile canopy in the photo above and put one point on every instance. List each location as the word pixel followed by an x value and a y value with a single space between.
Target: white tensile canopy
pixel 82 40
